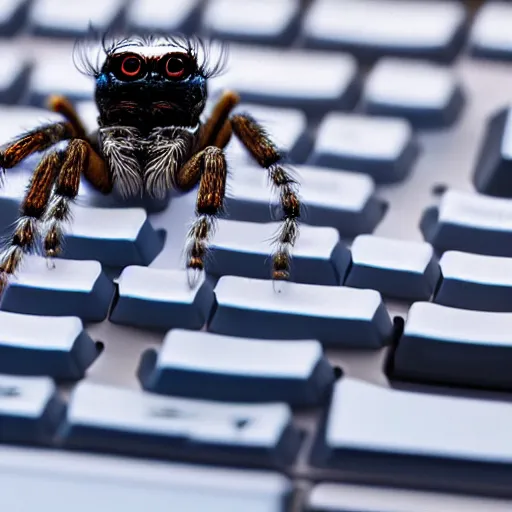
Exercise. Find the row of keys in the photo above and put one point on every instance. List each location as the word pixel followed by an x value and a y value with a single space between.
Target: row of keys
pixel 411 436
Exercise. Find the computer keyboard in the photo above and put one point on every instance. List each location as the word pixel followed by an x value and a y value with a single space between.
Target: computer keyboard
pixel 378 379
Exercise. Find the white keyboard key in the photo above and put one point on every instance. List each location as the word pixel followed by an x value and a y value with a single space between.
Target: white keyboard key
pixel 288 129
pixel 343 200
pixel 13 14
pixel 396 268
pixel 490 36
pixel 441 344
pixel 474 281
pixel 30 409
pixel 106 418
pixel 470 222
pixel 161 299
pixel 426 94
pixel 113 236
pixel 71 288
pixel 70 19
pixel 418 439
pixel 431 29
pixel 277 78
pixel 56 479
pixel 216 367
pixel 385 148
pixel 58 347
pixel 253 21
pixel 245 248
pixel 158 16
pixel 334 315
pixel 15 66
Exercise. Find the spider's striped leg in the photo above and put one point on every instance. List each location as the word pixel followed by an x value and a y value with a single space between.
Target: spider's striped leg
pixel 210 167
pixel 74 162
pixel 63 106
pixel 258 143
pixel 32 210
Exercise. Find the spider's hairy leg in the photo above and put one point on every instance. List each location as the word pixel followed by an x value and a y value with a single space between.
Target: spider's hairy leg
pixel 74 162
pixel 211 165
pixel 62 105
pixel 261 147
pixel 33 141
pixel 32 210
pixel 217 120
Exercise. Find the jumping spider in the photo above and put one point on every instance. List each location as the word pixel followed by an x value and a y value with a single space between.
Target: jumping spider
pixel 150 93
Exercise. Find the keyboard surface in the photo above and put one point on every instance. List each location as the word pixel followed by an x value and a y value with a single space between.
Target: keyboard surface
pixel 378 379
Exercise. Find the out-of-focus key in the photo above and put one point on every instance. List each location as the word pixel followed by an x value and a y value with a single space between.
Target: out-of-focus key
pixel 455 346
pixel 288 129
pixel 473 281
pixel 157 16
pixel 16 68
pixel 428 29
pixel 245 248
pixel 30 409
pixel 385 148
pixel 215 367
pixel 54 72
pixel 253 21
pixel 71 288
pixel 344 200
pixel 490 35
pixel 13 14
pixel 42 345
pixel 61 18
pixel 470 222
pixel 106 418
pixel 115 237
pixel 315 82
pixel 493 168
pixel 396 268
pixel 426 94
pixel 417 438
pixel 334 315
pixel 161 299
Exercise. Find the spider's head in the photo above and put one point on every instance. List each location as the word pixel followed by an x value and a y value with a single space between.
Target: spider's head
pixel 150 82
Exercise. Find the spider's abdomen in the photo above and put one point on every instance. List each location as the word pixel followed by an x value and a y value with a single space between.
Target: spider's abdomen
pixel 146 164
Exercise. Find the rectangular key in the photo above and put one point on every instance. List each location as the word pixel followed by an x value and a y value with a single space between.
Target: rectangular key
pixel 58 347
pixel 276 78
pixel 215 367
pixel 344 200
pixel 427 29
pixel 474 281
pixel 112 419
pixel 161 299
pixel 71 288
pixel 253 21
pixel 383 147
pixel 334 315
pixel 13 15
pixel 61 18
pixel 287 127
pixel 30 409
pixel 116 237
pixel 429 441
pixel 426 94
pixel 244 249
pixel 470 222
pixel 455 346
pixel 58 480
pixel 146 16
pixel 15 64
pixel 396 268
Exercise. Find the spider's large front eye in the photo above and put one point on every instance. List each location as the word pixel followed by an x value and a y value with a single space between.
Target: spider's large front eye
pixel 176 67
pixel 129 67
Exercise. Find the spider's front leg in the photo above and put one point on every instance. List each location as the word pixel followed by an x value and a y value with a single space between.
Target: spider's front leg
pixel 209 166
pixel 258 143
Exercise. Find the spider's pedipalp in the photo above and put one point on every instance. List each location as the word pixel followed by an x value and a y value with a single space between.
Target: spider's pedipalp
pixel 33 208
pixel 264 151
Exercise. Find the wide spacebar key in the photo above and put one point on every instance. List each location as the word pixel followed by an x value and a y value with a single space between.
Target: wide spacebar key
pixel 109 419
pixel 334 315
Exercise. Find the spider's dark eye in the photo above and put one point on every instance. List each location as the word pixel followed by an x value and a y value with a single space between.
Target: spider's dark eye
pixel 129 67
pixel 176 67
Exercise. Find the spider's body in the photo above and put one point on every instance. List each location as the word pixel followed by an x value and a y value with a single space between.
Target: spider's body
pixel 150 95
